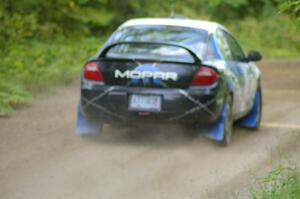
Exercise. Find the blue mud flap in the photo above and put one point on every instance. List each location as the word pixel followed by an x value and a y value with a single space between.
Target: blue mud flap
pixel 250 121
pixel 86 127
pixel 215 132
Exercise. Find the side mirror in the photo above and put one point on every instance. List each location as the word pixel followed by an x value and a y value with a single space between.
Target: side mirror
pixel 254 56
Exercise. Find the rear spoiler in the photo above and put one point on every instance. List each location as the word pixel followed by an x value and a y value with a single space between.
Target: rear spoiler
pixel 191 52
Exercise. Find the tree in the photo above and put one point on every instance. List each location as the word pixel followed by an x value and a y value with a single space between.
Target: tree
pixel 291 7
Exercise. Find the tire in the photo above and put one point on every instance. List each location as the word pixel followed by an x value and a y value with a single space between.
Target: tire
pixel 228 122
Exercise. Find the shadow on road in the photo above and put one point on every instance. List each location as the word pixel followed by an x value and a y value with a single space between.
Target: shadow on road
pixel 159 136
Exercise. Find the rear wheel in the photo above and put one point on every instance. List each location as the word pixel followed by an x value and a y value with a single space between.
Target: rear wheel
pixel 228 122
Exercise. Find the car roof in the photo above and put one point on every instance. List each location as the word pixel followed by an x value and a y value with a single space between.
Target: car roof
pixel 182 22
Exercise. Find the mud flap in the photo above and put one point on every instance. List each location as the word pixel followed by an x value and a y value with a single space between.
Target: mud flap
pixel 215 132
pixel 84 126
pixel 250 121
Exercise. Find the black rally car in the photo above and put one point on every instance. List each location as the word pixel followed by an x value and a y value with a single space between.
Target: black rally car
pixel 171 70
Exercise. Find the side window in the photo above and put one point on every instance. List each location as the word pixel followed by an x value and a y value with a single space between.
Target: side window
pixel 210 52
pixel 223 45
pixel 236 50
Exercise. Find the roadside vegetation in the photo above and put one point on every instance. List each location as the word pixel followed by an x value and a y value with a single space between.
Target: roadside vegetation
pixel 45 43
pixel 36 66
pixel 280 183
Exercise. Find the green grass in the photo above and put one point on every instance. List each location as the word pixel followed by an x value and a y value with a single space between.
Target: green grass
pixel 280 183
pixel 34 66
pixel 275 37
pixel 11 95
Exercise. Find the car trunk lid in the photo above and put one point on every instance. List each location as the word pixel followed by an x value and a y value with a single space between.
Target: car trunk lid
pixel 147 73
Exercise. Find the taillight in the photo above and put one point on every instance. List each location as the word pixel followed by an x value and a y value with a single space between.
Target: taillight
pixel 205 76
pixel 92 72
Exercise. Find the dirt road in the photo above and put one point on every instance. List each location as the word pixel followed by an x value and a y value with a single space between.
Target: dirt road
pixel 41 157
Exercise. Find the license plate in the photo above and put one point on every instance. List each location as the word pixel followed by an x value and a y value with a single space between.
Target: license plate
pixel 145 103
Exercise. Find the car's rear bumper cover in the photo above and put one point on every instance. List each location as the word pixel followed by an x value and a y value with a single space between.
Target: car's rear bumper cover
pixel 192 105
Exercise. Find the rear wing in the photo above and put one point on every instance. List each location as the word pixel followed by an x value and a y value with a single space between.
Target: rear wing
pixel 104 51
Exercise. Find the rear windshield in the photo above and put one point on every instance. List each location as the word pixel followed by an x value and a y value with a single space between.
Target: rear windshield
pixel 195 39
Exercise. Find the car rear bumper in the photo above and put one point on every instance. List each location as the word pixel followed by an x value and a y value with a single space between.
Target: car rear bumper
pixel 193 105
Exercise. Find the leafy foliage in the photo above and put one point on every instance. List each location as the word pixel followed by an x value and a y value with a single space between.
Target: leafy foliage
pixel 291 7
pixel 10 96
pixel 44 65
pixel 280 39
